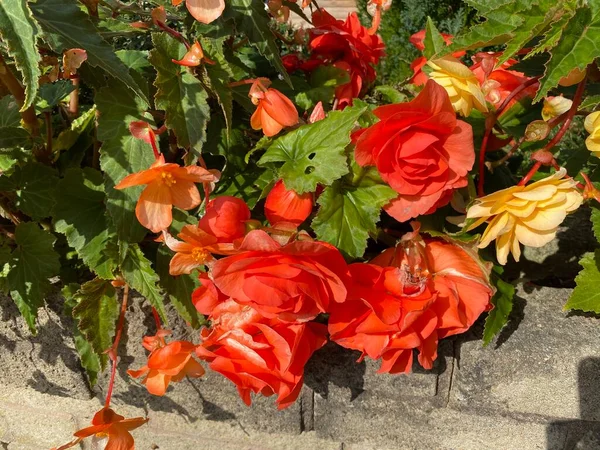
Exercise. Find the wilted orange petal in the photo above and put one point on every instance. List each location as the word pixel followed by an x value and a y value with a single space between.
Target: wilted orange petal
pixel 72 60
pixel 205 11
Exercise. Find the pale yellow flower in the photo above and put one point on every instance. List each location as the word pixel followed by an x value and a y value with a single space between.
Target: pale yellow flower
pixel 460 83
pixel 555 106
pixel 592 126
pixel 528 215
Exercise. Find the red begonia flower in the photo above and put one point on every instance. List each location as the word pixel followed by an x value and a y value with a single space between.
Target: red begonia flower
pixel 420 149
pixel 259 354
pixel 225 218
pixel 274 111
pixel 108 423
pixel 286 205
pixel 168 185
pixel 166 363
pixel 293 282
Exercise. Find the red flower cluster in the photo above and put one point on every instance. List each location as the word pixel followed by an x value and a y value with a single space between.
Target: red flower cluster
pixel 348 46
pixel 420 149
pixel 408 298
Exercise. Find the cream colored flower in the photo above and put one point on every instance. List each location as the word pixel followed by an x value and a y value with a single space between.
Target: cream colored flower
pixel 555 106
pixel 592 126
pixel 460 83
pixel 529 215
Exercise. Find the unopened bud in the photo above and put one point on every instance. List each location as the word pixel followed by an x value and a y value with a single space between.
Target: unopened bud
pixel 537 131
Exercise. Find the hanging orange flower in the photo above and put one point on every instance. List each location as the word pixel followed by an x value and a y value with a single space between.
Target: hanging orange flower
pixel 167 185
pixel 205 11
pixel 274 110
pixel 166 363
pixel 194 57
pixel 107 423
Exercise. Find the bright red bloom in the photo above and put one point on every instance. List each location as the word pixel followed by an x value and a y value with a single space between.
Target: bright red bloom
pixel 410 303
pixel 206 297
pixel 167 185
pixel 225 218
pixel 293 282
pixel 166 363
pixel 108 423
pixel 258 354
pixel 274 111
pixel 419 77
pixel 286 205
pixel 420 149
pixel 498 83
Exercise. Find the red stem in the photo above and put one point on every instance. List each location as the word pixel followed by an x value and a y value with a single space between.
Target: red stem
pixel 156 319
pixel 174 33
pixel 74 97
pixel 154 146
pixel 112 353
pixel 530 174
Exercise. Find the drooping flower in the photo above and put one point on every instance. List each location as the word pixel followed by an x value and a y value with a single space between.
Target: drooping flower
pixel 107 423
pixel 166 363
pixel 408 298
pixel 575 76
pixel 293 282
pixel 592 126
pixel 168 185
pixel 420 149
pixel 555 106
pixel 460 83
pixel 528 215
pixel 194 57
pixel 259 354
pixel 418 40
pixel 286 205
pixel 72 60
pixel 274 111
pixel 205 11
pixel 197 249
pixel 225 218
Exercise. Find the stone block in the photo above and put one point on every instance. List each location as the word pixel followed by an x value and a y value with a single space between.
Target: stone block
pixel 546 362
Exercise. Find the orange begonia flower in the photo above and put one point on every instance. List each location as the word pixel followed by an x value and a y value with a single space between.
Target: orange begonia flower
pixel 107 423
pixel 194 57
pixel 205 11
pixel 274 110
pixel 166 363
pixel 195 250
pixel 286 205
pixel 167 185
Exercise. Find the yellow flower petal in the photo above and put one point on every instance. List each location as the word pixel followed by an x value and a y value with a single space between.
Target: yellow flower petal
pixel 545 219
pixel 494 229
pixel 543 192
pixel 533 238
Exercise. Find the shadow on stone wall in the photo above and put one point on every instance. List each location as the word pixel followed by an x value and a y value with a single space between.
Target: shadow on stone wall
pixel 582 434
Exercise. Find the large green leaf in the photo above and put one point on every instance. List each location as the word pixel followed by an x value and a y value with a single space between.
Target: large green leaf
pixel 322 84
pixel 314 154
pixel 32 188
pixel 15 137
pixel 219 74
pixel 120 155
pixel 578 47
pixel 67 138
pixel 180 94
pixel 434 41
pixel 179 288
pixel 498 317
pixel 19 31
pixel 139 274
pixel 9 112
pixel 51 94
pixel 67 26
pixel 252 21
pixel 96 311
pixel 586 295
pixel 33 262
pixel 350 210
pixel 80 214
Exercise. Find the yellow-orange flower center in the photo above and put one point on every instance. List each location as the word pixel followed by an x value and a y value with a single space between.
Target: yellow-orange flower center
pixel 200 254
pixel 168 179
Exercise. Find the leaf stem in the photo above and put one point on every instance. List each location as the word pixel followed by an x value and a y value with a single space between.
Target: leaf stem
pixel 112 352
pixel 74 97
pixel 176 34
pixel 18 92
pixel 530 174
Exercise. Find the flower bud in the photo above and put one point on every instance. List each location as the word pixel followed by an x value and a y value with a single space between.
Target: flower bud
pixel 537 131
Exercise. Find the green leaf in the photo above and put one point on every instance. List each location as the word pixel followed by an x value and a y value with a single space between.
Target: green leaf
pixel 350 211
pixel 595 219
pixel 586 295
pixel 80 214
pixel 252 21
pixel 19 32
pixel 590 103
pixel 434 41
pixel 67 138
pixel 15 137
pixel 180 94
pixel 33 189
pixel 391 94
pixel 136 60
pixel 139 274
pixel 498 317
pixel 553 33
pixel 219 74
pixel 52 93
pixel 577 48
pixel 323 81
pixel 96 311
pixel 120 155
pixel 314 154
pixel 33 262
pixel 9 112
pixel 67 26
pixel 179 288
